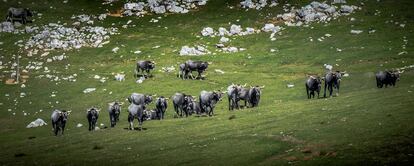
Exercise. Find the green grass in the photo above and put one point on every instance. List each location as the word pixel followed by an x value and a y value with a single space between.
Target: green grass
pixel 364 125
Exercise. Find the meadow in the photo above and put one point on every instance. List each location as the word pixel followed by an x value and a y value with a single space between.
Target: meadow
pixel 364 125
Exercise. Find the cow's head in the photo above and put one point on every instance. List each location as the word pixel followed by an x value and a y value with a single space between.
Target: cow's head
pixel 28 12
pixel 151 65
pixel 63 115
pixel 148 99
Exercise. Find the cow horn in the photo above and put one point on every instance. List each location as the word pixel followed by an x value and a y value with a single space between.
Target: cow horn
pixel 194 97
pixel 262 87
pixel 209 63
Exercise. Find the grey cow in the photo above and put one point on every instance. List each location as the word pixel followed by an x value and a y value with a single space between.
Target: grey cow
pixel 161 105
pixel 199 66
pixel 114 112
pixel 136 112
pixel 233 96
pixel 144 66
pixel 180 102
pixel 244 95
pixel 140 99
pixel 332 81
pixel 92 115
pixel 208 101
pixel 313 84
pixel 182 71
pixel 387 78
pixel 59 119
pixel 19 13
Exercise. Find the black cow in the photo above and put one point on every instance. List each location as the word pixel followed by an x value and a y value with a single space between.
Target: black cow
pixel 136 112
pixel 144 66
pixel 19 13
pixel 208 101
pixel 114 112
pixel 198 66
pixel 161 105
pixel 332 80
pixel 313 84
pixel 92 115
pixel 59 119
pixel 387 78
pixel 254 95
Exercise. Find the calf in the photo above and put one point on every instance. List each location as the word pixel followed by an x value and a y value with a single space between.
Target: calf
pixel 161 105
pixel 387 78
pixel 59 119
pixel 144 66
pixel 92 115
pixel 136 112
pixel 194 107
pixel 114 112
pixel 313 84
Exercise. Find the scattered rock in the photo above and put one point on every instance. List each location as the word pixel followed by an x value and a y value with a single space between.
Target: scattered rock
pixel 37 123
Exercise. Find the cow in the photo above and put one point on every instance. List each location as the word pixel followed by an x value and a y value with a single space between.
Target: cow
pixel 194 107
pixel 208 101
pixel 114 112
pixel 180 102
pixel 144 66
pixel 21 13
pixel 59 119
pixel 198 66
pixel 233 96
pixel 254 95
pixel 161 106
pixel 332 80
pixel 151 115
pixel 140 99
pixel 182 71
pixel 244 95
pixel 313 84
pixel 136 112
pixel 92 115
pixel 387 78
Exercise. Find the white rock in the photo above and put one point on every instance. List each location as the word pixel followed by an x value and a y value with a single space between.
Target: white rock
pixel 208 31
pixel 115 50
pixel 89 90
pixel 224 39
pixel 356 32
pixel 37 123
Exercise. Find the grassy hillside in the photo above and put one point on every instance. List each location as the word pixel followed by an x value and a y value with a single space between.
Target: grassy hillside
pixel 363 125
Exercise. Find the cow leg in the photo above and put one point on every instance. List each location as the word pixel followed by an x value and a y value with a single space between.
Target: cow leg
pixel 318 93
pixel 230 107
pixel 330 87
pixel 63 128
pixel 199 74
pixel 90 127
pixel 324 91
pixel 307 91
